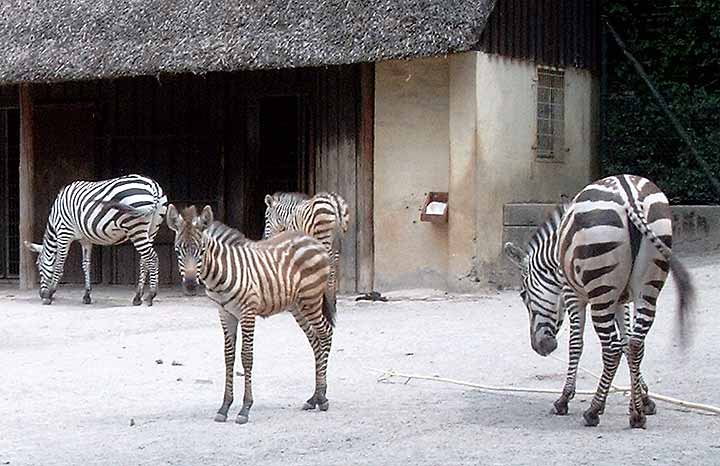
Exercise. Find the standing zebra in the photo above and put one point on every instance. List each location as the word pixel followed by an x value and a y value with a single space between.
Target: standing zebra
pixel 325 217
pixel 256 278
pixel 609 246
pixel 128 208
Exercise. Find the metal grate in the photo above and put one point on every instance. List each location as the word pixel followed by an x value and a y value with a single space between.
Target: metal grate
pixel 9 192
pixel 550 142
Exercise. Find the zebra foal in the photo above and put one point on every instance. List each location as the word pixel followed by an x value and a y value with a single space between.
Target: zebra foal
pixel 108 212
pixel 610 246
pixel 325 217
pixel 256 278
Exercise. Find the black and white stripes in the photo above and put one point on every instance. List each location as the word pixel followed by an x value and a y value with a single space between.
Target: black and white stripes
pixel 610 246
pixel 247 279
pixel 109 212
pixel 325 217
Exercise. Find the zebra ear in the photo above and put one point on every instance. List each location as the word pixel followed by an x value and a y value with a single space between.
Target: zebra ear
pixel 34 247
pixel 173 218
pixel 268 200
pixel 515 254
pixel 205 218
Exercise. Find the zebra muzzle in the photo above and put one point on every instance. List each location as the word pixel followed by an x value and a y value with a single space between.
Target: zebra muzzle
pixel 190 286
pixel 544 343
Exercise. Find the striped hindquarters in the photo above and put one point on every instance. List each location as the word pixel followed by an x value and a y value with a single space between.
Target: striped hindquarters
pixel 602 231
pixel 109 211
pixel 325 216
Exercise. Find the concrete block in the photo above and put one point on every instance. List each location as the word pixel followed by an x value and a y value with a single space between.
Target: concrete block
pixel 526 214
pixel 696 229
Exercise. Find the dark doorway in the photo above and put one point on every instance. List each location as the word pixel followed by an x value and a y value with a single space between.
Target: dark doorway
pixel 9 200
pixel 280 165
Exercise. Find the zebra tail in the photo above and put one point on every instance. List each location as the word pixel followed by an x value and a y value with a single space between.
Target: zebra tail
pixel 638 219
pixel 686 298
pixel 342 212
pixel 329 308
pixel 158 213
pixel 683 280
pixel 124 208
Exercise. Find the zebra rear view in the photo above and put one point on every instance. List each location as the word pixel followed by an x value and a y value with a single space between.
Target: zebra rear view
pixel 257 278
pixel 109 212
pixel 325 217
pixel 610 246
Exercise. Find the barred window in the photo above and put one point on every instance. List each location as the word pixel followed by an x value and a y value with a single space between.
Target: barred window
pixel 550 143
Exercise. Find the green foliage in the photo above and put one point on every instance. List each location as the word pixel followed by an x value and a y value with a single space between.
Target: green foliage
pixel 678 43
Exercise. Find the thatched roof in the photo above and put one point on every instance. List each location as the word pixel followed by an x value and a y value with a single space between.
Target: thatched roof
pixel 53 40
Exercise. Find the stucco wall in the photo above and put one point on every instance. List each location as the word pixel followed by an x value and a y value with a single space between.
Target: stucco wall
pixel 507 170
pixel 466 124
pixel 411 158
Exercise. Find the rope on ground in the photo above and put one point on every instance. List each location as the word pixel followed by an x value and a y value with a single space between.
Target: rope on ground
pixel 655 396
pixel 390 373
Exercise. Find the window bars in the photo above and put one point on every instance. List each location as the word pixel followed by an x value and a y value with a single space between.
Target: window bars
pixel 550 117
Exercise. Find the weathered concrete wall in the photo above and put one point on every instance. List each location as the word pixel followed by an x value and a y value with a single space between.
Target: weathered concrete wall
pixel 465 124
pixel 696 231
pixel 411 159
pixel 507 169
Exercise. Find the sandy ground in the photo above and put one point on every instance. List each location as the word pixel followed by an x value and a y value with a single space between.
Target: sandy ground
pixel 74 379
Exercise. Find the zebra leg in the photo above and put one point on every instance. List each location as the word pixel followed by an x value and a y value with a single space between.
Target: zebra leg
pixel 152 272
pixel 142 273
pixel 645 307
pixel 86 259
pixel 60 256
pixel 317 346
pixel 229 325
pixel 321 348
pixel 649 407
pixel 603 317
pixel 247 325
pixel 145 251
pixel 576 316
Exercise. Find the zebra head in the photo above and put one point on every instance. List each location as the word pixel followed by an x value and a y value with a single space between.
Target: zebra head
pixel 273 223
pixel 540 291
pixel 188 228
pixel 279 209
pixel 45 262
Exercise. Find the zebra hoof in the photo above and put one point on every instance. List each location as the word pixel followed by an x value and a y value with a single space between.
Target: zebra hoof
pixel 637 420
pixel 241 419
pixel 649 407
pixel 87 299
pixel 560 407
pixel 309 405
pixel 136 301
pixel 47 301
pixel 219 417
pixel 324 406
pixel 592 419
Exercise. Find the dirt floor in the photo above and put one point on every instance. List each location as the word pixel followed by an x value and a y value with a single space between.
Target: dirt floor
pixel 96 385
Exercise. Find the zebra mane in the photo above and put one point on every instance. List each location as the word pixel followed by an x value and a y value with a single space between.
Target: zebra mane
pixel 223 234
pixel 548 227
pixel 290 196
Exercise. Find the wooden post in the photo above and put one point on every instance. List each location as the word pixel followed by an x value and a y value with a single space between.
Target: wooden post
pixel 28 270
pixel 365 229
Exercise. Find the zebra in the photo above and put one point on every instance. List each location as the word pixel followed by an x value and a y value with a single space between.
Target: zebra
pixel 611 245
pixel 108 212
pixel 325 217
pixel 257 278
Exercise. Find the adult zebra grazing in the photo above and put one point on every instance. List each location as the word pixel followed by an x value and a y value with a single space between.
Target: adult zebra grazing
pixel 325 217
pixel 256 278
pixel 609 246
pixel 109 212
